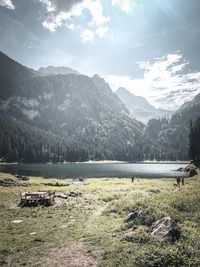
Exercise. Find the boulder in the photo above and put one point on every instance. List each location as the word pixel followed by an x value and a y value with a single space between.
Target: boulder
pixel 166 227
pixel 191 170
pixel 132 215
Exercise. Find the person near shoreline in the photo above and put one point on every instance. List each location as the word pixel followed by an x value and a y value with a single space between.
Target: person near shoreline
pixel 178 181
pixel 132 179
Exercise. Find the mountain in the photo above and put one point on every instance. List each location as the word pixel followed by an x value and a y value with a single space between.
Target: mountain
pixel 63 117
pixel 171 136
pixel 50 70
pixel 139 107
pixel 191 104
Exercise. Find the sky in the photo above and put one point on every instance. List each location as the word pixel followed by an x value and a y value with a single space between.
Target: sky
pixel 150 47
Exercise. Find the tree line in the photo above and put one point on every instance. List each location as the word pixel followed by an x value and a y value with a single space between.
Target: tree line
pixel 194 141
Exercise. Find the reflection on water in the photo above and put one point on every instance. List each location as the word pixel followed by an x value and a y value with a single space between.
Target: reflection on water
pixel 74 170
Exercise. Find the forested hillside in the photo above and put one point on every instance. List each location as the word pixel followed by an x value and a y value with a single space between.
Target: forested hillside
pixel 172 135
pixel 73 117
pixel 67 117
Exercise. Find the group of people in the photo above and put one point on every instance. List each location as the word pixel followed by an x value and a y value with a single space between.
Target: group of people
pixel 179 180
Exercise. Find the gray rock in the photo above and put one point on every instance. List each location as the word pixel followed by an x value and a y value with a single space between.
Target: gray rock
pixel 166 227
pixel 132 215
pixel 69 194
pixel 191 170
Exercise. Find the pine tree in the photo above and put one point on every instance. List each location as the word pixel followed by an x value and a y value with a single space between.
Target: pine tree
pixel 194 141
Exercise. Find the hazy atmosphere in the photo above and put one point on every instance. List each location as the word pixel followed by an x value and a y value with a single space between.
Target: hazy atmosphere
pixel 100 133
pixel 148 47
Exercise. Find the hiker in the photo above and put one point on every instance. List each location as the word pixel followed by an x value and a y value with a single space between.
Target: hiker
pixel 178 181
pixel 132 179
pixel 183 181
pixel 81 179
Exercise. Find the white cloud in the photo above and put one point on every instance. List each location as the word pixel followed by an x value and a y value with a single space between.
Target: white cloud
pixel 96 11
pixel 165 83
pixel 7 3
pixel 125 5
pixel 87 35
pixel 102 31
pixel 70 26
pixel 66 12
pixel 53 22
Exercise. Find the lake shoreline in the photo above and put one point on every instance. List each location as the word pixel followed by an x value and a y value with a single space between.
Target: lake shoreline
pixel 91 170
pixel 100 162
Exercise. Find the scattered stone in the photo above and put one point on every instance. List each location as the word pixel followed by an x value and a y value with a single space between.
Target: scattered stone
pixel 17 221
pixel 22 177
pixel 77 183
pixel 64 195
pixel 63 226
pixel 11 182
pixel 56 184
pixel 75 194
pixel 133 215
pixel 166 227
pixel 69 194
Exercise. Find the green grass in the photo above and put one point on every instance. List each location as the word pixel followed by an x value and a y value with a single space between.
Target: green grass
pixel 97 219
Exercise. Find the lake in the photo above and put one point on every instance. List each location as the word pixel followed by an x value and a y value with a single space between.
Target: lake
pixel 75 170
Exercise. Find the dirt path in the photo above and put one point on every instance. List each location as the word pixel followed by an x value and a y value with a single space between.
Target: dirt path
pixel 76 254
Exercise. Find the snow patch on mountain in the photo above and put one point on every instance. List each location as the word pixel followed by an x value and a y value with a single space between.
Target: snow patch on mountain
pixel 28 103
pixel 63 125
pixel 64 105
pixel 30 113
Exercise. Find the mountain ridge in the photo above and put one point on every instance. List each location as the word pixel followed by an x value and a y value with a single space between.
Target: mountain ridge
pixel 51 70
pixel 83 111
pixel 139 107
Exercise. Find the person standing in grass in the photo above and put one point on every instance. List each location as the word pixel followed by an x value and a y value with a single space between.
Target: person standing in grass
pixel 132 179
pixel 178 181
pixel 183 181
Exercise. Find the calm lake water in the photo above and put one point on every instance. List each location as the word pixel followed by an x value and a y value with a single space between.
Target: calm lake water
pixel 75 170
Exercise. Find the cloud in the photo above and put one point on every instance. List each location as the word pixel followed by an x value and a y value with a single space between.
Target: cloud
pixel 102 31
pixel 166 83
pixel 7 4
pixel 125 5
pixel 87 35
pixel 57 12
pixel 66 13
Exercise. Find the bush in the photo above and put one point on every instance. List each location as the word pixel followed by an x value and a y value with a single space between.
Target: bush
pixel 158 257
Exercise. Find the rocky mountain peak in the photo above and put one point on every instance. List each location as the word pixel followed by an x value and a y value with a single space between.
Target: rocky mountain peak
pixel 51 70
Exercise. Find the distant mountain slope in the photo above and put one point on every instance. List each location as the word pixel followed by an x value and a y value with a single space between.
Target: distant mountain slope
pixel 51 70
pixel 172 135
pixel 139 107
pixel 82 111
pixel 191 104
pixel 133 101
pixel 12 76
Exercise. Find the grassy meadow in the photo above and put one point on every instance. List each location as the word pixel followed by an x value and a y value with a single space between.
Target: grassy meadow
pixel 89 230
